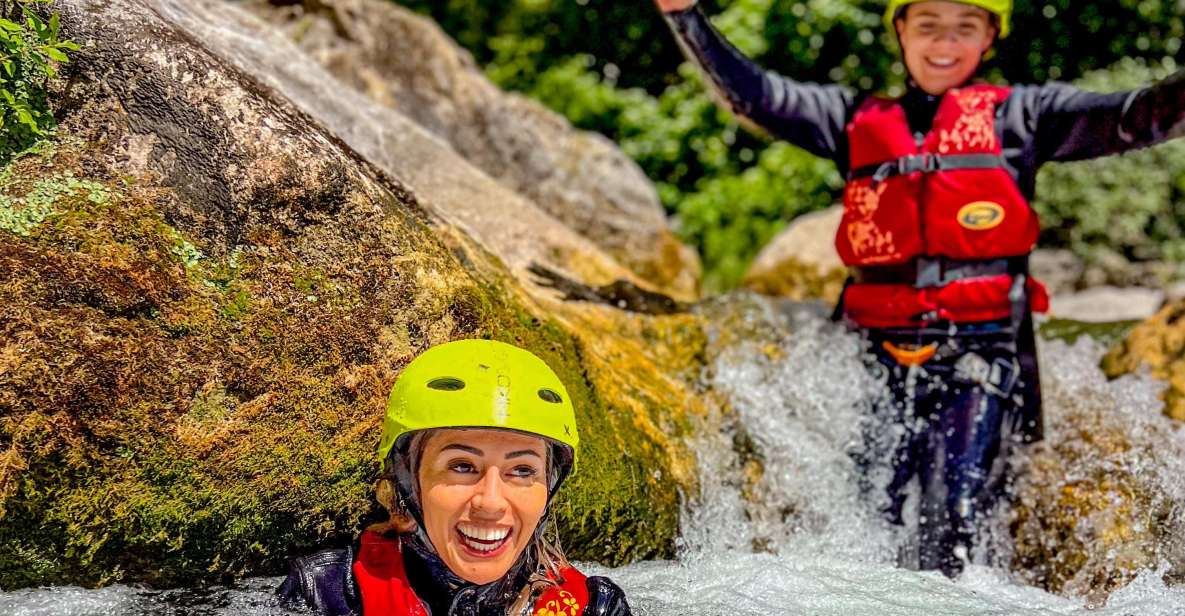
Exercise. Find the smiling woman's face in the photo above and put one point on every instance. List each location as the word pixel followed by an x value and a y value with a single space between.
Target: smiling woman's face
pixel 944 42
pixel 483 493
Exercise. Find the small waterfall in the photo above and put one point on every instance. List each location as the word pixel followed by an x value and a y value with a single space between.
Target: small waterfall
pixel 797 538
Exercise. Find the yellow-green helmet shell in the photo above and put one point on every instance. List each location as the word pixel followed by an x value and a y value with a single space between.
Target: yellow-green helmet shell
pixel 479 384
pixel 1001 8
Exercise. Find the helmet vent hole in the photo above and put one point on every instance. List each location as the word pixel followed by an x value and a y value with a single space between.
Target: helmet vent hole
pixel 447 383
pixel 550 396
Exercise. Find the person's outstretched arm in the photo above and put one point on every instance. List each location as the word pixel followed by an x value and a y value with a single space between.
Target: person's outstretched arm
pixel 1072 124
pixel 810 116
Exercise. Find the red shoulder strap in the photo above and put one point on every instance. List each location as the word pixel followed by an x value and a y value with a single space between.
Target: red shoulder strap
pixel 965 121
pixel 878 132
pixel 566 599
pixel 382 579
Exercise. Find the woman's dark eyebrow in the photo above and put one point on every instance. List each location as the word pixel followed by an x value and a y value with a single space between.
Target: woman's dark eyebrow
pixel 466 448
pixel 523 452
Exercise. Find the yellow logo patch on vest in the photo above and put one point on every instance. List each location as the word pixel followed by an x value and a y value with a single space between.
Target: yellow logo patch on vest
pixel 981 215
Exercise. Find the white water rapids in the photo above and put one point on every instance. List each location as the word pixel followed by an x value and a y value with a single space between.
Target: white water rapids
pixel 819 549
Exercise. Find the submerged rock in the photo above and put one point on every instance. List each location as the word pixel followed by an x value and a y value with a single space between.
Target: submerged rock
pixel 1101 498
pixel 208 292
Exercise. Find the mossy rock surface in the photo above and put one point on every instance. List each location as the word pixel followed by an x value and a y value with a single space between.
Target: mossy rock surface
pixel 207 298
pixel 1159 345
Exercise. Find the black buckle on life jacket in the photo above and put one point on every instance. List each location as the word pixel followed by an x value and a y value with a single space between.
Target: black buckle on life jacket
pixel 926 163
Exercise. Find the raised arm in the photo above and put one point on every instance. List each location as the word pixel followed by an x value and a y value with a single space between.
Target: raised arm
pixel 810 116
pixel 1073 124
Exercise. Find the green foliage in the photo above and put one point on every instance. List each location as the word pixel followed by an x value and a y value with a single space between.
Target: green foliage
pixel 29 48
pixel 731 217
pixel 614 68
pixel 1134 204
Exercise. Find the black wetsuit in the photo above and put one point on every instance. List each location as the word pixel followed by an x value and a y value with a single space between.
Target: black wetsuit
pixel 961 409
pixel 324 582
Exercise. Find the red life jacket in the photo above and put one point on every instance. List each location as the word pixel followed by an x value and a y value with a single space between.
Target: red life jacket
pixel 948 197
pixel 387 592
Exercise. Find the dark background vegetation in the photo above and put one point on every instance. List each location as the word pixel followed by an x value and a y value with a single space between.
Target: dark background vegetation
pixel 613 67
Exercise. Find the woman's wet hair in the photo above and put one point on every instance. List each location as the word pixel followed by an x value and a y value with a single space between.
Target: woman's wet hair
pixel 544 549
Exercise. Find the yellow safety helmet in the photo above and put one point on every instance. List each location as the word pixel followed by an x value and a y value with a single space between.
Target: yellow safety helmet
pixel 482 384
pixel 1000 8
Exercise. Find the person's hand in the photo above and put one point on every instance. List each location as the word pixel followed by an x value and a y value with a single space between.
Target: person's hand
pixel 670 6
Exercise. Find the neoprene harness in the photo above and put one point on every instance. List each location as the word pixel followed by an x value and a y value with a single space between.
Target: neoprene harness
pixel 386 590
pixel 935 229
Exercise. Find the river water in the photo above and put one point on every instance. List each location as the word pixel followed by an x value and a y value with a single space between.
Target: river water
pixel 798 540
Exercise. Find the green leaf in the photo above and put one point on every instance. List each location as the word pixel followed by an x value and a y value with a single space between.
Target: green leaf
pixel 54 54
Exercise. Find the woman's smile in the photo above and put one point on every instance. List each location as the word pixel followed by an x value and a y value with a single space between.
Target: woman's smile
pixel 483 541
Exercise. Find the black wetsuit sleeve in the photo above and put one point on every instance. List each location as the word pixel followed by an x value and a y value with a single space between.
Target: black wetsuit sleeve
pixel 605 598
pixel 810 116
pixel 323 582
pixel 1072 124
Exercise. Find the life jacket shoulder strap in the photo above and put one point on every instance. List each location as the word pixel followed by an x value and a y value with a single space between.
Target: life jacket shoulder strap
pixel 382 578
pixel 567 598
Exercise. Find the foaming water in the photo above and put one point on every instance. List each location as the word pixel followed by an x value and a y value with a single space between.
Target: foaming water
pixel 779 527
pixel 799 539
pixel 251 597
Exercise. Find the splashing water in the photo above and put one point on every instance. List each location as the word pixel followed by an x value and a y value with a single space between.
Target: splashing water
pixel 798 540
pixel 795 538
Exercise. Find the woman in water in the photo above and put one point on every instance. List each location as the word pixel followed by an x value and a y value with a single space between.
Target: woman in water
pixel 477 439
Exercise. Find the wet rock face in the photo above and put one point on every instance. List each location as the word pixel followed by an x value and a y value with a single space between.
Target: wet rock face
pixel 1100 500
pixel 1159 344
pixel 405 62
pixel 208 294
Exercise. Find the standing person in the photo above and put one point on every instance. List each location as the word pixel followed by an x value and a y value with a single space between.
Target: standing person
pixel 477 439
pixel 937 230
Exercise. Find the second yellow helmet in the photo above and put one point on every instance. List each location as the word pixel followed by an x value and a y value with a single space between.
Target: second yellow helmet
pixel 1000 8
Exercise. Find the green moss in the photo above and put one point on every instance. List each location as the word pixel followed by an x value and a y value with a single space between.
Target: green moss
pixel 180 411
pixel 20 215
pixel 1106 334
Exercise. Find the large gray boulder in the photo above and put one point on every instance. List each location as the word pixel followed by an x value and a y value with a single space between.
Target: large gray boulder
pixel 224 261
pixel 405 62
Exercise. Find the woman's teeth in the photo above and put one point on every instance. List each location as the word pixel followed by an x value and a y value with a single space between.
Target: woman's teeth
pixel 482 539
pixel 942 62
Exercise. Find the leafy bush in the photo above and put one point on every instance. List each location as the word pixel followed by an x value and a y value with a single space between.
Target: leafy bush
pixel 1134 204
pixel 29 48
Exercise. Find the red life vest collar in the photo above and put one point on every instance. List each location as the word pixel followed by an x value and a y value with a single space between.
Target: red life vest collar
pixel 386 590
